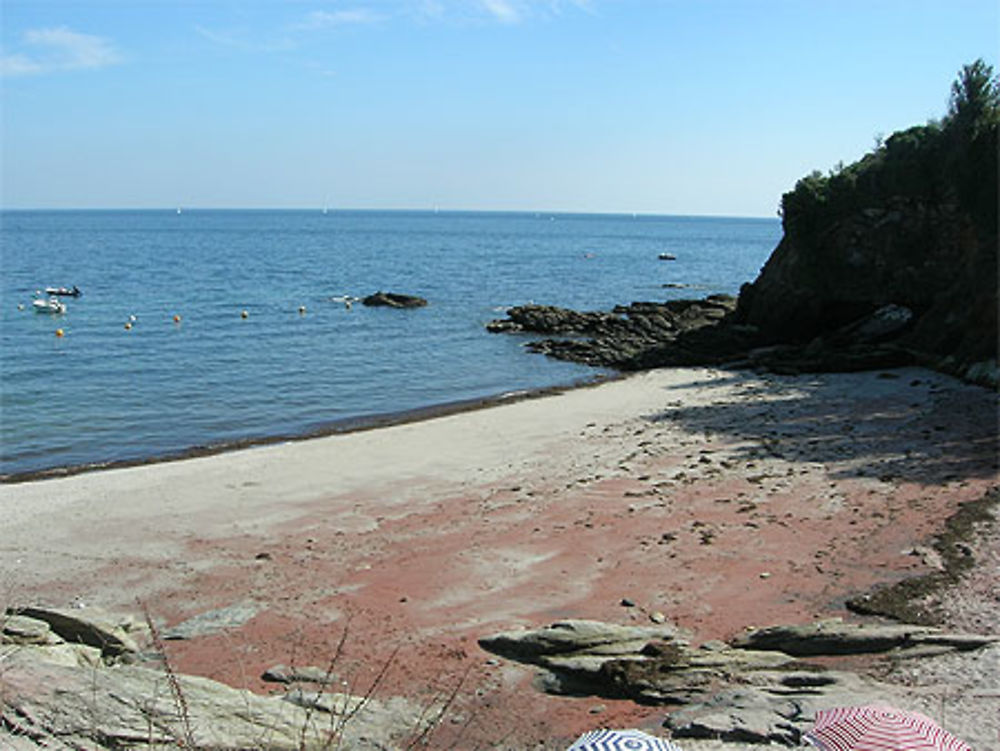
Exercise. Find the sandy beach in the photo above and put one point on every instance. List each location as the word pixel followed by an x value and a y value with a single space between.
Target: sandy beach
pixel 716 499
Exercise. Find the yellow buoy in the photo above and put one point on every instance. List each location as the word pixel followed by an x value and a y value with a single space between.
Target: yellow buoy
pixel 244 314
pixel 59 332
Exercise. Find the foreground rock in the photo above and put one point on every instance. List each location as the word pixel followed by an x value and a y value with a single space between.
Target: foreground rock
pixel 393 300
pixel 752 690
pixel 78 679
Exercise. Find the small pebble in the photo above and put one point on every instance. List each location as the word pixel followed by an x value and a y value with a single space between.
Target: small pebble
pixel 627 602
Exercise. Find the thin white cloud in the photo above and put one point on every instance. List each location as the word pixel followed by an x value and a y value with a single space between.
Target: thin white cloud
pixel 19 65
pixel 324 19
pixel 502 10
pixel 508 12
pixel 240 39
pixel 56 49
pixel 222 38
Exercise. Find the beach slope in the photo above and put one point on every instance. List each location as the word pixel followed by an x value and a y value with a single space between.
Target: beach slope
pixel 713 499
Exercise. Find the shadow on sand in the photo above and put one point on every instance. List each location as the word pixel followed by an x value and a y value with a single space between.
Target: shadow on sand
pixel 909 424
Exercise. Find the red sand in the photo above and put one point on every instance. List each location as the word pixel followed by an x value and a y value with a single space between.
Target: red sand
pixel 767 501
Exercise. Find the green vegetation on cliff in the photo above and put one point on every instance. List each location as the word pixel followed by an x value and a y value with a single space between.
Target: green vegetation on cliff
pixel 952 161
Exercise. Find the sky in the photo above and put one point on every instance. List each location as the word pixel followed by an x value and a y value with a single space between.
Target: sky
pixel 701 107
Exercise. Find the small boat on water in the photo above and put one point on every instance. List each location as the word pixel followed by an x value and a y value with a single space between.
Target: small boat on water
pixel 667 257
pixel 52 305
pixel 73 291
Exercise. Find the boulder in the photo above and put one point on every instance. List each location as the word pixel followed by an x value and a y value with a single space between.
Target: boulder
pixel 303 674
pixel 393 300
pixel 113 635
pixel 752 690
pixel 20 629
pixel 775 708
pixel 72 694
pixel 835 637
pixel 134 707
pixel 648 664
pixel 575 637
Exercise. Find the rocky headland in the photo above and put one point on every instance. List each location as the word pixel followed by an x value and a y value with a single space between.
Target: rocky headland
pixel 887 261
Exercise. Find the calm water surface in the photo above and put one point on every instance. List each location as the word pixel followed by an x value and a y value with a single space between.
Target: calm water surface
pixel 103 393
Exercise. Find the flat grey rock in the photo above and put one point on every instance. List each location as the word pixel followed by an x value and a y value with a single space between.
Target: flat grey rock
pixel 214 621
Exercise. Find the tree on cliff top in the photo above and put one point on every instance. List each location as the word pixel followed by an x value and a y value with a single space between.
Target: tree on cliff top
pixel 975 99
pixel 972 125
pixel 954 161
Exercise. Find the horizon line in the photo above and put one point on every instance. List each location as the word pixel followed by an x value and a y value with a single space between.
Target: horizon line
pixel 423 210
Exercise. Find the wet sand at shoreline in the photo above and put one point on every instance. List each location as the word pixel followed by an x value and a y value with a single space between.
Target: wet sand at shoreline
pixel 717 499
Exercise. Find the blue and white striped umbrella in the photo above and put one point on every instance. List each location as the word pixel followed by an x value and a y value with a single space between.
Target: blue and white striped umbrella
pixel 621 740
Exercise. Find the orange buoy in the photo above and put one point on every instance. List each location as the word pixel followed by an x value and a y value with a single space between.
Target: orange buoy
pixel 59 332
pixel 128 326
pixel 177 319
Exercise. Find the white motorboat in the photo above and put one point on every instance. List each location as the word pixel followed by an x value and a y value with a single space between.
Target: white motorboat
pixel 51 305
pixel 73 291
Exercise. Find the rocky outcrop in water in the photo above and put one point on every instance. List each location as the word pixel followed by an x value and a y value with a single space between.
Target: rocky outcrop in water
pixel 393 300
pixel 703 332
pixel 623 337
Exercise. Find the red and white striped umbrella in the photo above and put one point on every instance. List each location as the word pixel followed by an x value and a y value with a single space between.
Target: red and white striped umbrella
pixel 877 727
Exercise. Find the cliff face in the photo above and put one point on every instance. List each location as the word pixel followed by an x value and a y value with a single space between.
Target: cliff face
pixel 912 224
pixel 928 258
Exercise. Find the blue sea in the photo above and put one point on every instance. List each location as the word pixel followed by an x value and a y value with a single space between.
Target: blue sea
pixel 102 393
